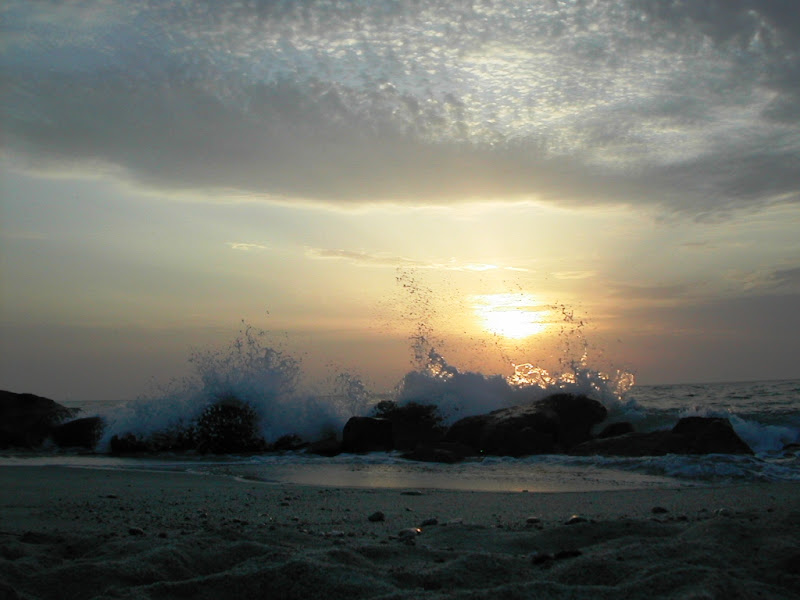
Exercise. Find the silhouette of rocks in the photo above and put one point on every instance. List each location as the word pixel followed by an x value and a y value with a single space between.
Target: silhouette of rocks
pixel 83 433
pixel 691 435
pixel 553 424
pixel 229 426
pixel 326 447
pixel 413 423
pixel 441 452
pixel 26 420
pixel 367 434
pixel 615 429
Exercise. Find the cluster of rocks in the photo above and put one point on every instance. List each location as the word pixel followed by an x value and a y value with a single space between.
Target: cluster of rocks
pixel 27 421
pixel 558 424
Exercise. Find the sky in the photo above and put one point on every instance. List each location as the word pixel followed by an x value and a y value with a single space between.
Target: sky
pixel 514 180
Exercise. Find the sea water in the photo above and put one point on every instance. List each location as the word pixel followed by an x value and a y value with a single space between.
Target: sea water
pixel 765 414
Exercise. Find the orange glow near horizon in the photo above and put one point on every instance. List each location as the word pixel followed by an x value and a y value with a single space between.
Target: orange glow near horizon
pixel 514 316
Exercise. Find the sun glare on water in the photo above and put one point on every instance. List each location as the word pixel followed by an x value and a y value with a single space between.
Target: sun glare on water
pixel 514 316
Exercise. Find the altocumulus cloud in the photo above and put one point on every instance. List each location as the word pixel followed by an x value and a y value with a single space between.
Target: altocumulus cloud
pixel 689 106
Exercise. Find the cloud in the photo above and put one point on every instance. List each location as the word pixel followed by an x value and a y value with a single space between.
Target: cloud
pixel 690 107
pixel 574 274
pixel 366 259
pixel 787 279
pixel 247 247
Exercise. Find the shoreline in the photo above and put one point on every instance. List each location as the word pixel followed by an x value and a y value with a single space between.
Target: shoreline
pixel 149 534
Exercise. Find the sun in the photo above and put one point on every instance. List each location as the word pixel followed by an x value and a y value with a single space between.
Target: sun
pixel 513 316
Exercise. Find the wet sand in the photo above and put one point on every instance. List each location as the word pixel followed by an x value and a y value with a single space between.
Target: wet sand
pixel 90 533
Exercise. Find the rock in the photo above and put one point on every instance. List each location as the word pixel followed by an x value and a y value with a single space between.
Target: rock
pixel 327 447
pixel 229 426
pixel 135 531
pixel 441 452
pixel 429 522
pixel 127 444
pixel 576 417
pixel 376 517
pixel 553 424
pixel 615 429
pixel 413 423
pixel 533 520
pixel 26 420
pixel 659 510
pixel 709 435
pixel 410 533
pixel 288 443
pixel 575 519
pixel 84 433
pixel 691 435
pixel 367 434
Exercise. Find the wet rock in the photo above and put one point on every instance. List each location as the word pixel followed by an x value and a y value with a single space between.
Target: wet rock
pixel 128 443
pixel 533 520
pixel 441 452
pixel 409 533
pixel 83 433
pixel 377 517
pixel 691 435
pixel 26 420
pixel 367 434
pixel 709 435
pixel 615 429
pixel 288 443
pixel 413 423
pixel 553 424
pixel 229 426
pixel 327 447
pixel 574 519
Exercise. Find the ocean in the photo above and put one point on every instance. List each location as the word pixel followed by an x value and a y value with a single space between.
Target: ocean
pixel 765 414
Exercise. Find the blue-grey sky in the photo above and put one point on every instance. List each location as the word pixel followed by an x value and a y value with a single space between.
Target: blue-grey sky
pixel 168 169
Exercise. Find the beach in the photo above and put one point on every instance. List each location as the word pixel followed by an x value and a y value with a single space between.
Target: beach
pixel 93 533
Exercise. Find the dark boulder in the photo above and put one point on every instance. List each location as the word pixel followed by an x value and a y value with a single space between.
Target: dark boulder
pixel 654 443
pixel 576 415
pixel 553 424
pixel 615 429
pixel 691 435
pixel 469 431
pixel 83 433
pixel 709 435
pixel 128 443
pixel 413 423
pixel 326 447
pixel 27 420
pixel 288 443
pixel 367 434
pixel 228 426
pixel 441 452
